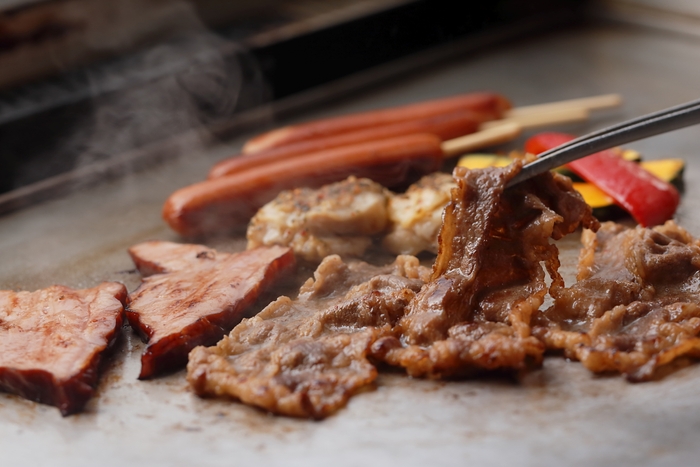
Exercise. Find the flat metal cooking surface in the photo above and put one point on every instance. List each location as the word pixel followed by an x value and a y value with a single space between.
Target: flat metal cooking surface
pixel 558 415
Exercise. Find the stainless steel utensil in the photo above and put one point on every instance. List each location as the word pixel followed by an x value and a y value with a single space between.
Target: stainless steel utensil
pixel 652 124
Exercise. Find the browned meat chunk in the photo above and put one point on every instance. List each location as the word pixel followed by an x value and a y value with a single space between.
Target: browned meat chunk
pixel 306 357
pixel 415 217
pixel 51 341
pixel 194 296
pixel 487 280
pixel 635 306
pixel 339 218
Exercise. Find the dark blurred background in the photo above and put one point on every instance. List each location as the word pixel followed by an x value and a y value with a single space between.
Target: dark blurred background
pixel 90 88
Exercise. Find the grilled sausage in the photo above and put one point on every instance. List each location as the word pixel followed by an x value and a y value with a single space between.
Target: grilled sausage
pixel 489 104
pixel 445 126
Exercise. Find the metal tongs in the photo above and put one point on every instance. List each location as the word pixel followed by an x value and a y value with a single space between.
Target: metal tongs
pixel 638 128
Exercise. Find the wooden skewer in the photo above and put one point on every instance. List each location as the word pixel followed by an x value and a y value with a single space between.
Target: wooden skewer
pixel 604 101
pixel 489 137
pixel 532 116
pixel 491 132
pixel 501 131
pixel 542 118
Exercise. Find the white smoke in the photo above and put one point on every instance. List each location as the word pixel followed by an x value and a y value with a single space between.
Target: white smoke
pixel 176 89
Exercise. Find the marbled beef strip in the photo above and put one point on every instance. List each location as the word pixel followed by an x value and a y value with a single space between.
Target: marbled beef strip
pixel 635 306
pixel 51 341
pixel 306 357
pixel 194 295
pixel 487 279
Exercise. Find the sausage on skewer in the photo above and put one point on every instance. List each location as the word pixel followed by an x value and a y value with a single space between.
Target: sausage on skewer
pixel 445 126
pixel 488 104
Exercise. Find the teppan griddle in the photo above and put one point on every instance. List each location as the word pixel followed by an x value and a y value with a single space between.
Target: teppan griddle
pixel 558 415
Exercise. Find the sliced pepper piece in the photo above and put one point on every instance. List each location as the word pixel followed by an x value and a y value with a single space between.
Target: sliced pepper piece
pixel 604 208
pixel 669 170
pixel 629 154
pixel 647 198
pixel 592 195
pixel 481 161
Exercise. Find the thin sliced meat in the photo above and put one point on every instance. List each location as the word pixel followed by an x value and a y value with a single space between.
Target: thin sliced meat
pixel 487 280
pixel 306 357
pixel 194 296
pixel 635 306
pixel 52 340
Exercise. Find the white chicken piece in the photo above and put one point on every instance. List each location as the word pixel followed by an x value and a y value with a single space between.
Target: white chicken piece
pixel 339 218
pixel 416 215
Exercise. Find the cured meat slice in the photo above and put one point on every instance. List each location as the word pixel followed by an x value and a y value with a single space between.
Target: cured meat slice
pixel 306 357
pixel 487 280
pixel 52 340
pixel 194 295
pixel 636 305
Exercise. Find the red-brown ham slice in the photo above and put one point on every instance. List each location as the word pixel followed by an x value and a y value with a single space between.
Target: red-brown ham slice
pixel 194 295
pixel 51 341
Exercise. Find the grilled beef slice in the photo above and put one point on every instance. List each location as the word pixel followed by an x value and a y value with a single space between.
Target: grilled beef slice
pixel 51 341
pixel 194 295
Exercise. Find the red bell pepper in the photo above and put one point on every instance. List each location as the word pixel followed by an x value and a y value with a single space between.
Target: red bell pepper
pixel 648 199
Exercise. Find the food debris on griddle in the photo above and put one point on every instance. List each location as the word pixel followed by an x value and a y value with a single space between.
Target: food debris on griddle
pixel 51 341
pixel 635 306
pixel 194 295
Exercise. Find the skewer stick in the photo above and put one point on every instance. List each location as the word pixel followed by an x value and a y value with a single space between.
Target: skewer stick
pixel 542 118
pixel 502 131
pixel 604 101
pixel 520 118
pixel 489 137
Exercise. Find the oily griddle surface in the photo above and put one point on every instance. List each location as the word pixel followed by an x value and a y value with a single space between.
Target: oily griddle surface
pixel 560 414
pixel 559 410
